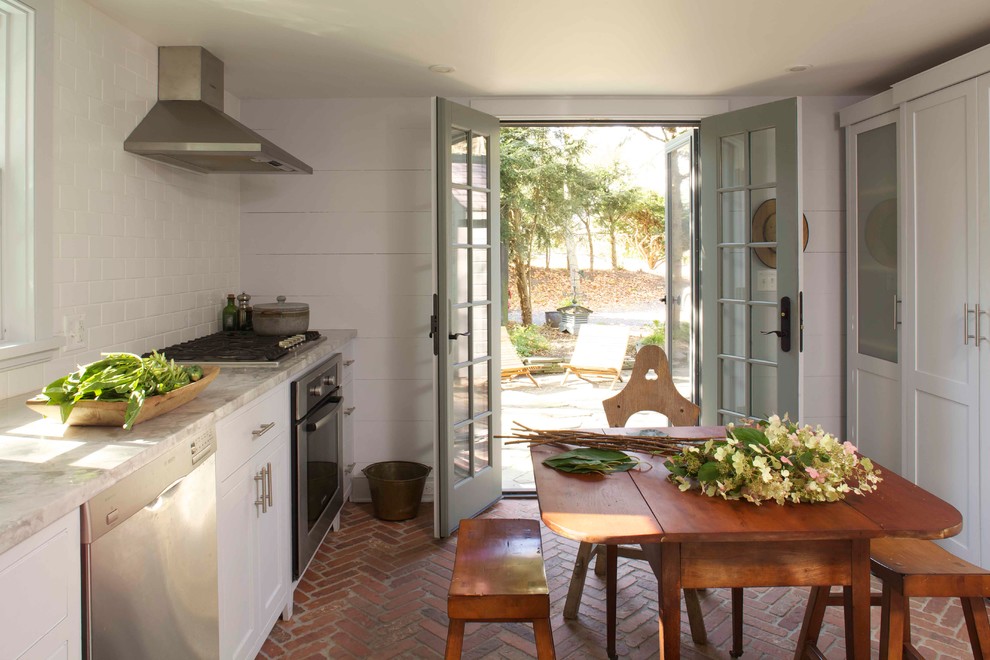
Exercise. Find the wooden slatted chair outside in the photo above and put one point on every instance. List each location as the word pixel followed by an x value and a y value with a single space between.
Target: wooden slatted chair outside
pixel 499 577
pixel 650 388
pixel 512 366
pixel 906 568
pixel 600 351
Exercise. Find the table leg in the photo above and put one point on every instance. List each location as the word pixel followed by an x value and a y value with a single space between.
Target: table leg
pixel 670 601
pixel 611 587
pixel 859 599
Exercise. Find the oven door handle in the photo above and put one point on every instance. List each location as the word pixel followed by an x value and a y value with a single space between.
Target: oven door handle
pixel 333 403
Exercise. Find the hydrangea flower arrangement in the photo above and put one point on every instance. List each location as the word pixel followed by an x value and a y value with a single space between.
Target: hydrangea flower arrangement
pixel 777 460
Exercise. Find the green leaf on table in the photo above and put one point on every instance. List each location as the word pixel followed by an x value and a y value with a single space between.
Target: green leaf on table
pixel 750 436
pixel 709 472
pixel 588 460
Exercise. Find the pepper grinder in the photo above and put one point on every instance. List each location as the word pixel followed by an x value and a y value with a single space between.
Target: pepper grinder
pixel 243 313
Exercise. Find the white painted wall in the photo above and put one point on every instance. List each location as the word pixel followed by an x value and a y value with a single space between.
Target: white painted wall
pixel 823 196
pixel 145 251
pixel 354 241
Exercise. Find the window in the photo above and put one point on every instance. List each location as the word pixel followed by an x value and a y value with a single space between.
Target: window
pixel 25 182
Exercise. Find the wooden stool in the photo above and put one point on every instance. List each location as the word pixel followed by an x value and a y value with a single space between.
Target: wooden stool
pixel 499 576
pixel 912 567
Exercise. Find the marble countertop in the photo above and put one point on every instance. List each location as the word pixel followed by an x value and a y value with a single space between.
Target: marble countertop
pixel 48 469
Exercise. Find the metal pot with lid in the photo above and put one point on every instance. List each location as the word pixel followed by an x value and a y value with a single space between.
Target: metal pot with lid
pixel 280 318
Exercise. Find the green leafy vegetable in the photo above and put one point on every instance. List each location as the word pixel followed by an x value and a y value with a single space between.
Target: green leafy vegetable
pixel 589 460
pixel 119 377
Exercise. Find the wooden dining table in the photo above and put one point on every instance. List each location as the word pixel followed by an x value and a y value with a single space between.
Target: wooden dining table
pixel 694 542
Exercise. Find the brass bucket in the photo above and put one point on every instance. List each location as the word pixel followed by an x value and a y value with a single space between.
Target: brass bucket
pixel 396 488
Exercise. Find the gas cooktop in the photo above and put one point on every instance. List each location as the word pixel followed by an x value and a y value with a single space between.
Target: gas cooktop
pixel 242 349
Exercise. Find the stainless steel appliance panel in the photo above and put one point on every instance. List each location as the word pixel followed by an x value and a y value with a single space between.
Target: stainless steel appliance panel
pixel 151 578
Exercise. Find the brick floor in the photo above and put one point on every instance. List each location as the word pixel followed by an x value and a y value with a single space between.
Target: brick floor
pixel 378 590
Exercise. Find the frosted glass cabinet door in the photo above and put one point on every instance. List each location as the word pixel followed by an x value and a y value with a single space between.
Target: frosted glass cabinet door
pixel 873 306
pixel 876 237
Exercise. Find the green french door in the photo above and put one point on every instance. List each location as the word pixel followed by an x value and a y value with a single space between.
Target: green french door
pixel 466 314
pixel 750 275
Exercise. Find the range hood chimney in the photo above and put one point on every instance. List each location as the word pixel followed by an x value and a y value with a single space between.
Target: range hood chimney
pixel 188 128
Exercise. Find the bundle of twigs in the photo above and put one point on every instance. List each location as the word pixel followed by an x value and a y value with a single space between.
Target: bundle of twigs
pixel 647 444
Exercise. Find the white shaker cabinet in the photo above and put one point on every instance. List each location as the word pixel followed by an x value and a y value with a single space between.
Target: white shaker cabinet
pixel 40 595
pixel 254 530
pixel 942 354
pixel 941 367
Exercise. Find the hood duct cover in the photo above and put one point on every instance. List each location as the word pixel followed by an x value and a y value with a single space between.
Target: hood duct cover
pixel 188 128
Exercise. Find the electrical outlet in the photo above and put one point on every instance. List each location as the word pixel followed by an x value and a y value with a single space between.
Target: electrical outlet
pixel 74 326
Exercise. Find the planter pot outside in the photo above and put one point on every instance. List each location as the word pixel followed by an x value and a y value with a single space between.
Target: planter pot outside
pixel 553 318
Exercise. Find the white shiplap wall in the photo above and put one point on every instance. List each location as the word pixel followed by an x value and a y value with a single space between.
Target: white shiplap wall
pixel 354 241
pixel 823 197
pixel 145 251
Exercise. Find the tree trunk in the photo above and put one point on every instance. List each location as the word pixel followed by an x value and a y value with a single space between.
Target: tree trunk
pixel 570 240
pixel 591 245
pixel 612 239
pixel 522 287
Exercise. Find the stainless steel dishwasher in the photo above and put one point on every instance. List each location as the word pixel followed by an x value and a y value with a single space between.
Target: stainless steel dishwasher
pixel 150 559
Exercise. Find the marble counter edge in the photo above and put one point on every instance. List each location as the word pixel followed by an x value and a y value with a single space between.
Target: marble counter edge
pixel 17 526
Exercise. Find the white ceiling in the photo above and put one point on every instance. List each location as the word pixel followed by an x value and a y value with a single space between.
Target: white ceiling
pixel 337 48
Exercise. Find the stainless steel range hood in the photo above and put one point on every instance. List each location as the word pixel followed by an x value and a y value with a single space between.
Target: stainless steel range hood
pixel 188 128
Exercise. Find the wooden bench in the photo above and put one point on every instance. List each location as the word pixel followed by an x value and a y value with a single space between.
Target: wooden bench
pixel 912 567
pixel 499 576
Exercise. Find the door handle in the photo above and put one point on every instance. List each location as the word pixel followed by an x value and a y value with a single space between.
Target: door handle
pixel 784 334
pixel 897 320
pixel 455 335
pixel 269 486
pixel 260 501
pixel 664 300
pixel 966 312
pixel 435 325
pixel 979 325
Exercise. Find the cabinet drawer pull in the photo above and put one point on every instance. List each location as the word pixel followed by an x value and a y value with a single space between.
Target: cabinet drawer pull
pixel 263 429
pixel 348 363
pixel 269 488
pixel 348 411
pixel 260 501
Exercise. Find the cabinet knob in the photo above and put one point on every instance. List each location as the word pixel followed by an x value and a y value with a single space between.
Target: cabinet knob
pixel 348 363
pixel 348 411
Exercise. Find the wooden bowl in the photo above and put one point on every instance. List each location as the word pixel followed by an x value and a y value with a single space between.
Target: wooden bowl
pixel 111 413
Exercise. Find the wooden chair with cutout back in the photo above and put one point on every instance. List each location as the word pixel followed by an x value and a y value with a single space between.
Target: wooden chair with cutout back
pixel 650 388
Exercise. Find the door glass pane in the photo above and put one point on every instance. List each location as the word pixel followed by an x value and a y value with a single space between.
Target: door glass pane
pixel 461 388
pixel 482 403
pixel 763 156
pixel 479 161
pixel 733 161
pixel 462 453
pixel 458 156
pixel 479 217
pixel 480 273
pixel 482 444
pixel 764 393
pixel 734 329
pixel 459 217
pixel 459 323
pixel 733 273
pixel 764 278
pixel 761 224
pixel 764 319
pixel 735 217
pixel 479 332
pixel 461 273
pixel 733 386
pixel 876 209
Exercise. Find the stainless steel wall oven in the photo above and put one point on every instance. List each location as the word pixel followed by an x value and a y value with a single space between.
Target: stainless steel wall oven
pixel 317 457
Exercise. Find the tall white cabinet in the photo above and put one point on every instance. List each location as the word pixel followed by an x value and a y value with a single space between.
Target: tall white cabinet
pixel 942 278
